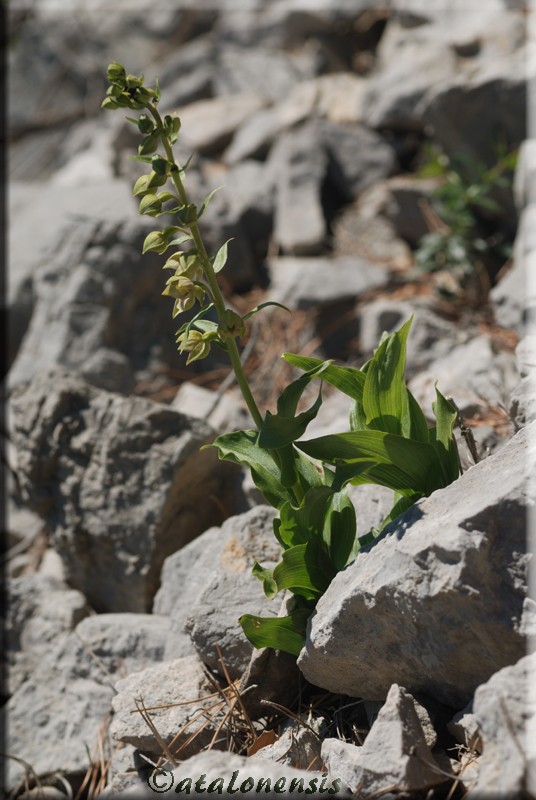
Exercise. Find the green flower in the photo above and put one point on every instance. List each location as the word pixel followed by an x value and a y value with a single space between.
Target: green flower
pixel 185 292
pixel 195 343
pixel 185 264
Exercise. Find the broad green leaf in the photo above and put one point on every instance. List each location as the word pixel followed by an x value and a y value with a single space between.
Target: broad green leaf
pixel 358 420
pixel 286 459
pixel 305 522
pixel 281 633
pixel 308 474
pixel 281 429
pixel 241 447
pixel 362 471
pixel 220 258
pixel 385 399
pixel 415 463
pixel 348 380
pixel 301 571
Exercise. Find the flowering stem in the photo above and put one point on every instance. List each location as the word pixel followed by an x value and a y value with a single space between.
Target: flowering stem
pixel 210 276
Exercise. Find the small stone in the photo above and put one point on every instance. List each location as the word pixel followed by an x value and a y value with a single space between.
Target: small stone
pixel 174 693
pixel 395 753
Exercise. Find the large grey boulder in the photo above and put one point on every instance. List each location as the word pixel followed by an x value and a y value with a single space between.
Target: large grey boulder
pixel 412 64
pixel 121 482
pixel 337 97
pixel 49 210
pixel 431 338
pixel 95 295
pixel 464 111
pixel 208 585
pixel 57 716
pixel 439 603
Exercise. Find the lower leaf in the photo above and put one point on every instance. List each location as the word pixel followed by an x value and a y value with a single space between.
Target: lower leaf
pixel 281 633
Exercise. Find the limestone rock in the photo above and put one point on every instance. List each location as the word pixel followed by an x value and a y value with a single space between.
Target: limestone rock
pixel 298 744
pixel 208 585
pixel 305 282
pixel 514 297
pixel 209 124
pixel 505 709
pixel 67 698
pixel 395 754
pixel 121 482
pixel 438 603
pixel 477 375
pixel 174 693
pixel 51 210
pixel 98 300
pixel 41 612
pixel 300 163
pixel 523 400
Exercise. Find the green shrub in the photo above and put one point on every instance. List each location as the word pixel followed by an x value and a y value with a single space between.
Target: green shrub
pixel 468 239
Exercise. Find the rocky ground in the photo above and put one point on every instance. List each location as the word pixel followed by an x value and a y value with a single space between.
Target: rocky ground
pixel 129 549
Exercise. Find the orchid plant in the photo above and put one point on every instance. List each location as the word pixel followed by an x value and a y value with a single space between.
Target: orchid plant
pixel 388 441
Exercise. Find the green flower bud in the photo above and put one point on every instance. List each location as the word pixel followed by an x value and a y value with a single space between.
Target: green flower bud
pixel 149 145
pixel 187 214
pixel 109 103
pixel 116 73
pixel 145 125
pixel 154 242
pixel 156 180
pixel 134 81
pixel 231 325
pixel 158 241
pixel 150 205
pixel 160 165
pixel 141 186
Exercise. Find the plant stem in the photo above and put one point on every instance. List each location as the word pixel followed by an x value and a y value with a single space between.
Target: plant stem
pixel 210 276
